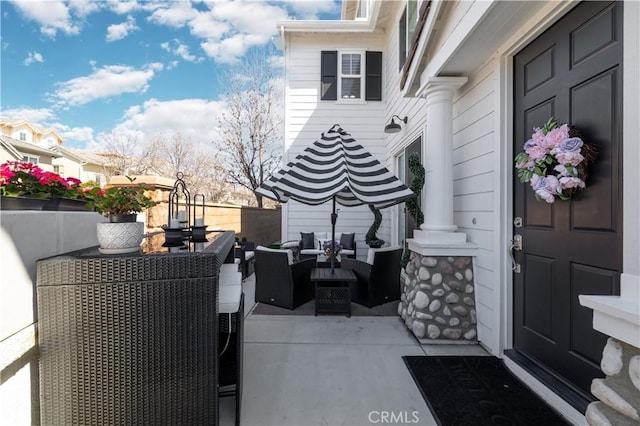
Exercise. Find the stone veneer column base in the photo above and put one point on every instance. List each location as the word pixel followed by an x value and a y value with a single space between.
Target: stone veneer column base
pixel 619 392
pixel 437 301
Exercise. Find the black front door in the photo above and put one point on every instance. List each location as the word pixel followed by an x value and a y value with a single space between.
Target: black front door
pixel 572 72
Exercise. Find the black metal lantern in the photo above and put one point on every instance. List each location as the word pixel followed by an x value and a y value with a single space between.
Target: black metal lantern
pixel 182 225
pixel 199 229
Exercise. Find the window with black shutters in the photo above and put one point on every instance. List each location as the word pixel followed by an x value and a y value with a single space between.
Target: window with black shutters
pixel 351 76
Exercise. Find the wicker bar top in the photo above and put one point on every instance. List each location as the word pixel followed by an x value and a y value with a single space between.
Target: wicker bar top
pixel 88 265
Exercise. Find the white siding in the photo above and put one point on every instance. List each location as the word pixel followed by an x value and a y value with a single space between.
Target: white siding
pixel 307 117
pixel 474 163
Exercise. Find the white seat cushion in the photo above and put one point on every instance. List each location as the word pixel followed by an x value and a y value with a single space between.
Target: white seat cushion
pixel 289 245
pixel 229 274
pixel 229 299
pixel 288 252
pixel 318 239
pixel 311 251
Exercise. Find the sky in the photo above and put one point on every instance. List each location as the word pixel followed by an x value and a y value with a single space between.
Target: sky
pixel 89 68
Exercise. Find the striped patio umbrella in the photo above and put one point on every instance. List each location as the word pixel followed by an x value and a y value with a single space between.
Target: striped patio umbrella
pixel 336 168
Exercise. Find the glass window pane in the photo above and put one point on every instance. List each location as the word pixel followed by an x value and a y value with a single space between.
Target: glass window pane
pixel 351 64
pixel 412 19
pixel 350 88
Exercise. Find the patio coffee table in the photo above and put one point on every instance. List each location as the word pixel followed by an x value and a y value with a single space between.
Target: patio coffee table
pixel 333 290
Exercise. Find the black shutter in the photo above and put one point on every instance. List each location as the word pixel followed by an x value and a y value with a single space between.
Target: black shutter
pixel 373 83
pixel 329 75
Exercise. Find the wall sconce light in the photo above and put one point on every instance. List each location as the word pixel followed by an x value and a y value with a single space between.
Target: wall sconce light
pixel 394 127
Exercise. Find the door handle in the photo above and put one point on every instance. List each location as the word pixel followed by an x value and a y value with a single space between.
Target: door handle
pixel 516 244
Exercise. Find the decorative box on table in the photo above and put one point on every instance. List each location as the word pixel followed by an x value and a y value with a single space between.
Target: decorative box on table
pixel 131 338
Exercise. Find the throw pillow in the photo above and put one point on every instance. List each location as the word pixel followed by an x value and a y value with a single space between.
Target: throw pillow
pixel 307 240
pixel 346 240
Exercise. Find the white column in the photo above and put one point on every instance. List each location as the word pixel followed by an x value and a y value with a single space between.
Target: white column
pixel 437 205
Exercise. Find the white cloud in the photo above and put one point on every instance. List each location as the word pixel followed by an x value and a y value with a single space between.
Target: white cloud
pixel 205 26
pixel 176 15
pixel 182 50
pixel 194 118
pixel 53 16
pixel 83 8
pixel 34 115
pixel 228 28
pixel 33 57
pixel 252 18
pixel 75 136
pixel 111 80
pixel 120 31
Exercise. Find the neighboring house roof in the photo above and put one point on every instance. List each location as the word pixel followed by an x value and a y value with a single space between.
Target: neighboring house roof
pixel 87 157
pixel 10 149
pixel 32 148
pixel 6 122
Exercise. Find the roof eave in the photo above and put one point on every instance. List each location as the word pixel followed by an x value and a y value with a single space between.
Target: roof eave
pixel 334 26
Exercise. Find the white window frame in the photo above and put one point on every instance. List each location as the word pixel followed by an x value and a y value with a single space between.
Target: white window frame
pixel 31 159
pixel 362 12
pixel 22 136
pixel 409 29
pixel 361 76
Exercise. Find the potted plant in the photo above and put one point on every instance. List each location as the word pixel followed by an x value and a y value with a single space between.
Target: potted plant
pixel 25 186
pixel 371 239
pixel 120 204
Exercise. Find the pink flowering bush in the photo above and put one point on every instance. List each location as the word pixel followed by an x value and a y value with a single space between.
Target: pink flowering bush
pixel 554 161
pixel 18 179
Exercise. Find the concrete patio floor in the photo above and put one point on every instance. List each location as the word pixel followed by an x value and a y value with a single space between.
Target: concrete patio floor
pixel 329 370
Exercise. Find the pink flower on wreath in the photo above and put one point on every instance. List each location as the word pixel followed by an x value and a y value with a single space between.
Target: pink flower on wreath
pixel 536 152
pixel 546 187
pixel 573 158
pixel 556 136
pixel 571 182
pixel 538 137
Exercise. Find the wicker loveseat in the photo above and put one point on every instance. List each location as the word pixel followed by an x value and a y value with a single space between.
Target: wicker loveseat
pixel 311 244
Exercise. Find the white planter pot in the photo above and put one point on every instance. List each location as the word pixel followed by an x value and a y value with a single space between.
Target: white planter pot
pixel 121 237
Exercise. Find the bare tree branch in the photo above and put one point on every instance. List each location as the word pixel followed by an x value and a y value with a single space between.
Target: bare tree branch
pixel 250 129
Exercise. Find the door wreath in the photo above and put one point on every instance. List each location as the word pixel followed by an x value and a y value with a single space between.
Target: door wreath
pixel 555 161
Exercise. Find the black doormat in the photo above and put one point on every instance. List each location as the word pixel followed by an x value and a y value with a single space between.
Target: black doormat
pixel 477 390
pixel 389 309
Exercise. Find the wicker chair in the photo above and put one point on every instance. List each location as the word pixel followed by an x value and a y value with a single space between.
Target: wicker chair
pixel 378 282
pixel 280 284
pixel 247 259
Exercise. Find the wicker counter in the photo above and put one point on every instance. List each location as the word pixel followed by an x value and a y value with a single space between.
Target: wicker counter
pixel 130 339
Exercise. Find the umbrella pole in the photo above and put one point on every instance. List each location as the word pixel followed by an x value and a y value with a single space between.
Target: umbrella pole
pixel 334 218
